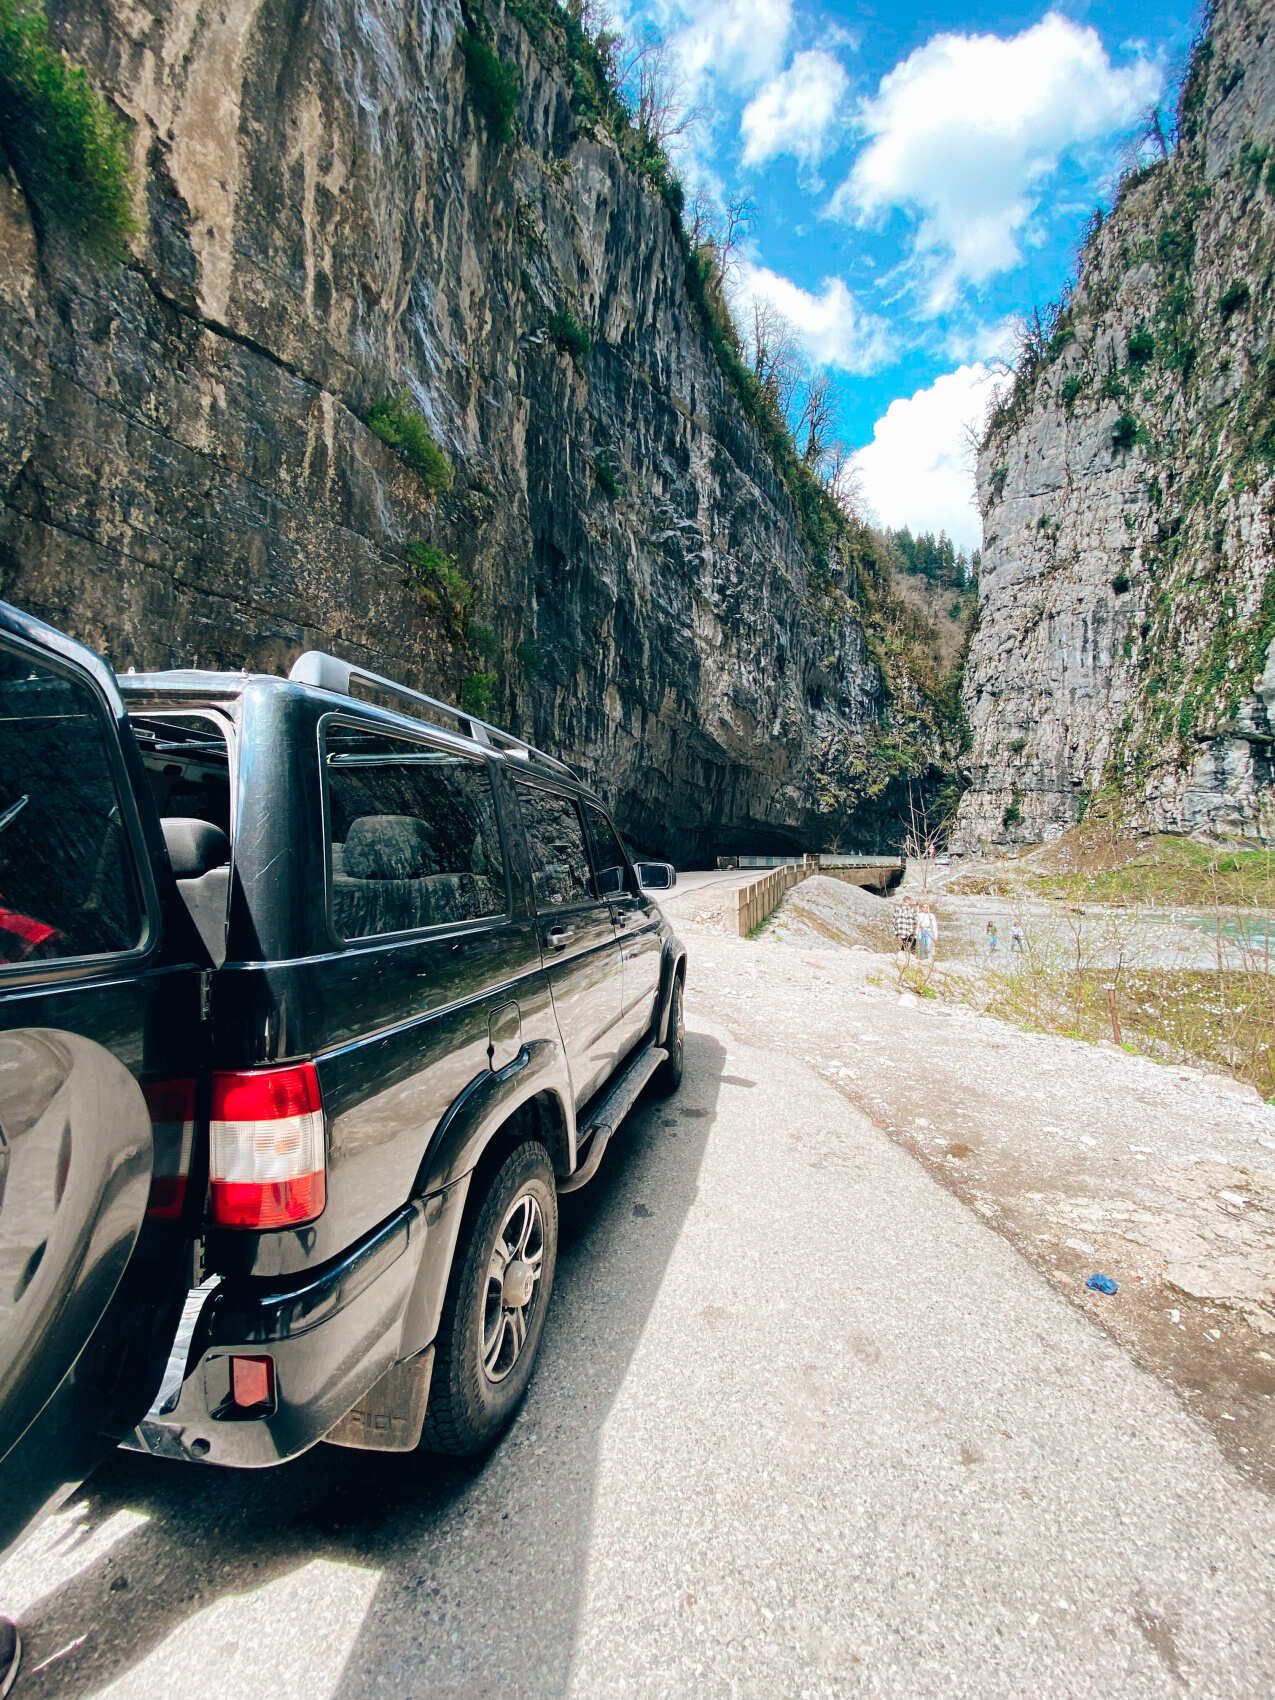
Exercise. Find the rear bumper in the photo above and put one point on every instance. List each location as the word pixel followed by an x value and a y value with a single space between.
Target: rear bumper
pixel 330 1339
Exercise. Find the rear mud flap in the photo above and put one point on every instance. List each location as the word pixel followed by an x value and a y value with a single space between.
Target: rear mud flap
pixel 390 1416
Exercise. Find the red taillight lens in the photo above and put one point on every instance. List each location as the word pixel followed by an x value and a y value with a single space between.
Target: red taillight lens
pixel 267 1163
pixel 172 1109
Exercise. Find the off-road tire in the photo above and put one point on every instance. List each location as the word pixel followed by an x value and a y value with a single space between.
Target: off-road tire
pixel 668 1076
pixel 468 1411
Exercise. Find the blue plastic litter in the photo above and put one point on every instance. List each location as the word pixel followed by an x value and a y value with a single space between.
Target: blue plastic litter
pixel 1103 1284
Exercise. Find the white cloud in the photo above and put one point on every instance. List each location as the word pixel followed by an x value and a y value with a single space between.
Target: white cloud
pixel 918 470
pixel 796 111
pixel 967 341
pixel 830 325
pixel 738 43
pixel 963 132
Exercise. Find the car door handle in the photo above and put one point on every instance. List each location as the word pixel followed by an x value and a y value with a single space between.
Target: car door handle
pixel 621 917
pixel 558 937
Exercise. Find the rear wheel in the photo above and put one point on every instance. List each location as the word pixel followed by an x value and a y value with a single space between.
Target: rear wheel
pixel 668 1076
pixel 495 1310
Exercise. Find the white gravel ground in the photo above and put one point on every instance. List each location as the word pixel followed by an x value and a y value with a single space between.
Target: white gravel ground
pixel 1090 1160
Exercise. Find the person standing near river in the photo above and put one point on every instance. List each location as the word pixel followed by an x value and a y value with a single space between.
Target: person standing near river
pixel 927 930
pixel 905 925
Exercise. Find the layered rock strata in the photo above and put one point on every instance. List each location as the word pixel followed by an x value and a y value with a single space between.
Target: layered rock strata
pixel 326 219
pixel 1124 646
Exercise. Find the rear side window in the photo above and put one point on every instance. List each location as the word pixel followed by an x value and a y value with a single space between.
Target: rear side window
pixel 555 840
pixel 188 764
pixel 610 865
pixel 68 882
pixel 414 837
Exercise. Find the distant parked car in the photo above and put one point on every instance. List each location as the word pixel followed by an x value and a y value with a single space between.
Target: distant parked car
pixel 310 1008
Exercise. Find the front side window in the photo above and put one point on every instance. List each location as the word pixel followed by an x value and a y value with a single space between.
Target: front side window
pixel 414 837
pixel 610 865
pixel 68 882
pixel 555 840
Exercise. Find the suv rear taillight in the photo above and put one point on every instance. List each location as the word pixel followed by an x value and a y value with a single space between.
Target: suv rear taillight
pixel 266 1150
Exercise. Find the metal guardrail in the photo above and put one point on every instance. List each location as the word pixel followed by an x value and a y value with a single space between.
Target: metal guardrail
pixel 752 903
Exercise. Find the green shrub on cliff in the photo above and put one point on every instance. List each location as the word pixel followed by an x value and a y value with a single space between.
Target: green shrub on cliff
pixel 66 146
pixel 445 587
pixel 1124 433
pixel 607 473
pixel 570 335
pixel 1141 346
pixel 478 695
pixel 484 643
pixel 494 86
pixel 396 422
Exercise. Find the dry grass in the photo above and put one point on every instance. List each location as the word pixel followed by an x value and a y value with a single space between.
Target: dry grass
pixel 983 885
pixel 1096 865
pixel 1225 1020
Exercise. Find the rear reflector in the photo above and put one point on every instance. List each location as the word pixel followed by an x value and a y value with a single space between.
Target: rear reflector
pixel 172 1109
pixel 267 1167
pixel 251 1383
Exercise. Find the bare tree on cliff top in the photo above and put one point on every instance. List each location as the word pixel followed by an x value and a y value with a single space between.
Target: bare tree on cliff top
pixel 815 419
pixel 772 349
pixel 661 108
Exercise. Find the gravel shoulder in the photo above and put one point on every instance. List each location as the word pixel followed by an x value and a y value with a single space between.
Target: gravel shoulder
pixel 1087 1159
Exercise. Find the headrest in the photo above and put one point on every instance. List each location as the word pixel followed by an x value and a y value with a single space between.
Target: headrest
pixel 194 846
pixel 388 847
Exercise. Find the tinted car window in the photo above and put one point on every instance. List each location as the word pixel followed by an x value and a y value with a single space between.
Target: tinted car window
pixel 414 838
pixel 188 765
pixel 610 866
pixel 68 884
pixel 555 839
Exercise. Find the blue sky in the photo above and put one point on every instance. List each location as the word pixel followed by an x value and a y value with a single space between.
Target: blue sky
pixel 920 175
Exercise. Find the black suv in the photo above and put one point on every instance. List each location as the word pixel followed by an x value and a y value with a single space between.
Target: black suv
pixel 314 995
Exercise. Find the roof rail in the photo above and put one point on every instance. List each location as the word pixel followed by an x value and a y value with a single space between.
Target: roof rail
pixel 330 673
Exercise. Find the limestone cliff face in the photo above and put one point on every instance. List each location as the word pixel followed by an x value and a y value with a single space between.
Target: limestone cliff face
pixel 325 220
pixel 1128 494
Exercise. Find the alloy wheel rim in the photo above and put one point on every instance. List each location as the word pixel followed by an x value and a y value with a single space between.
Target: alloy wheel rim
pixel 513 1286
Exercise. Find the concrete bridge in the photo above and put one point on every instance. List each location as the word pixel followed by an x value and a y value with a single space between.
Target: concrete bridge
pixel 876 872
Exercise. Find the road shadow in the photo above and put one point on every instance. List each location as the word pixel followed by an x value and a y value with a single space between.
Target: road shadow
pixel 480 1569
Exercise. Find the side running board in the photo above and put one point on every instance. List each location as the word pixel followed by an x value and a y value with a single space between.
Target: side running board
pixel 611 1112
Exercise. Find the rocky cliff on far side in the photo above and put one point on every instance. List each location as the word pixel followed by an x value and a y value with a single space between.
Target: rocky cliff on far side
pixel 335 214
pixel 1124 645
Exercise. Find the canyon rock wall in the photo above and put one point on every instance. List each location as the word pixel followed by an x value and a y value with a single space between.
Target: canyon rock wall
pixel 325 219
pixel 1127 613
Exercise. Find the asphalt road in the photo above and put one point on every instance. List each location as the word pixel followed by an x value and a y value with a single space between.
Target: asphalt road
pixel 803 1425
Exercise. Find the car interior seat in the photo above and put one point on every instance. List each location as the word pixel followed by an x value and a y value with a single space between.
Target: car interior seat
pixel 200 854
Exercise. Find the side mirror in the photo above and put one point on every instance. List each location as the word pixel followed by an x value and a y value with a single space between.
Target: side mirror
pixel 656 876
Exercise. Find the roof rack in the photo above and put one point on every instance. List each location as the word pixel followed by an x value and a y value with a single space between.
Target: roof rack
pixel 330 673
